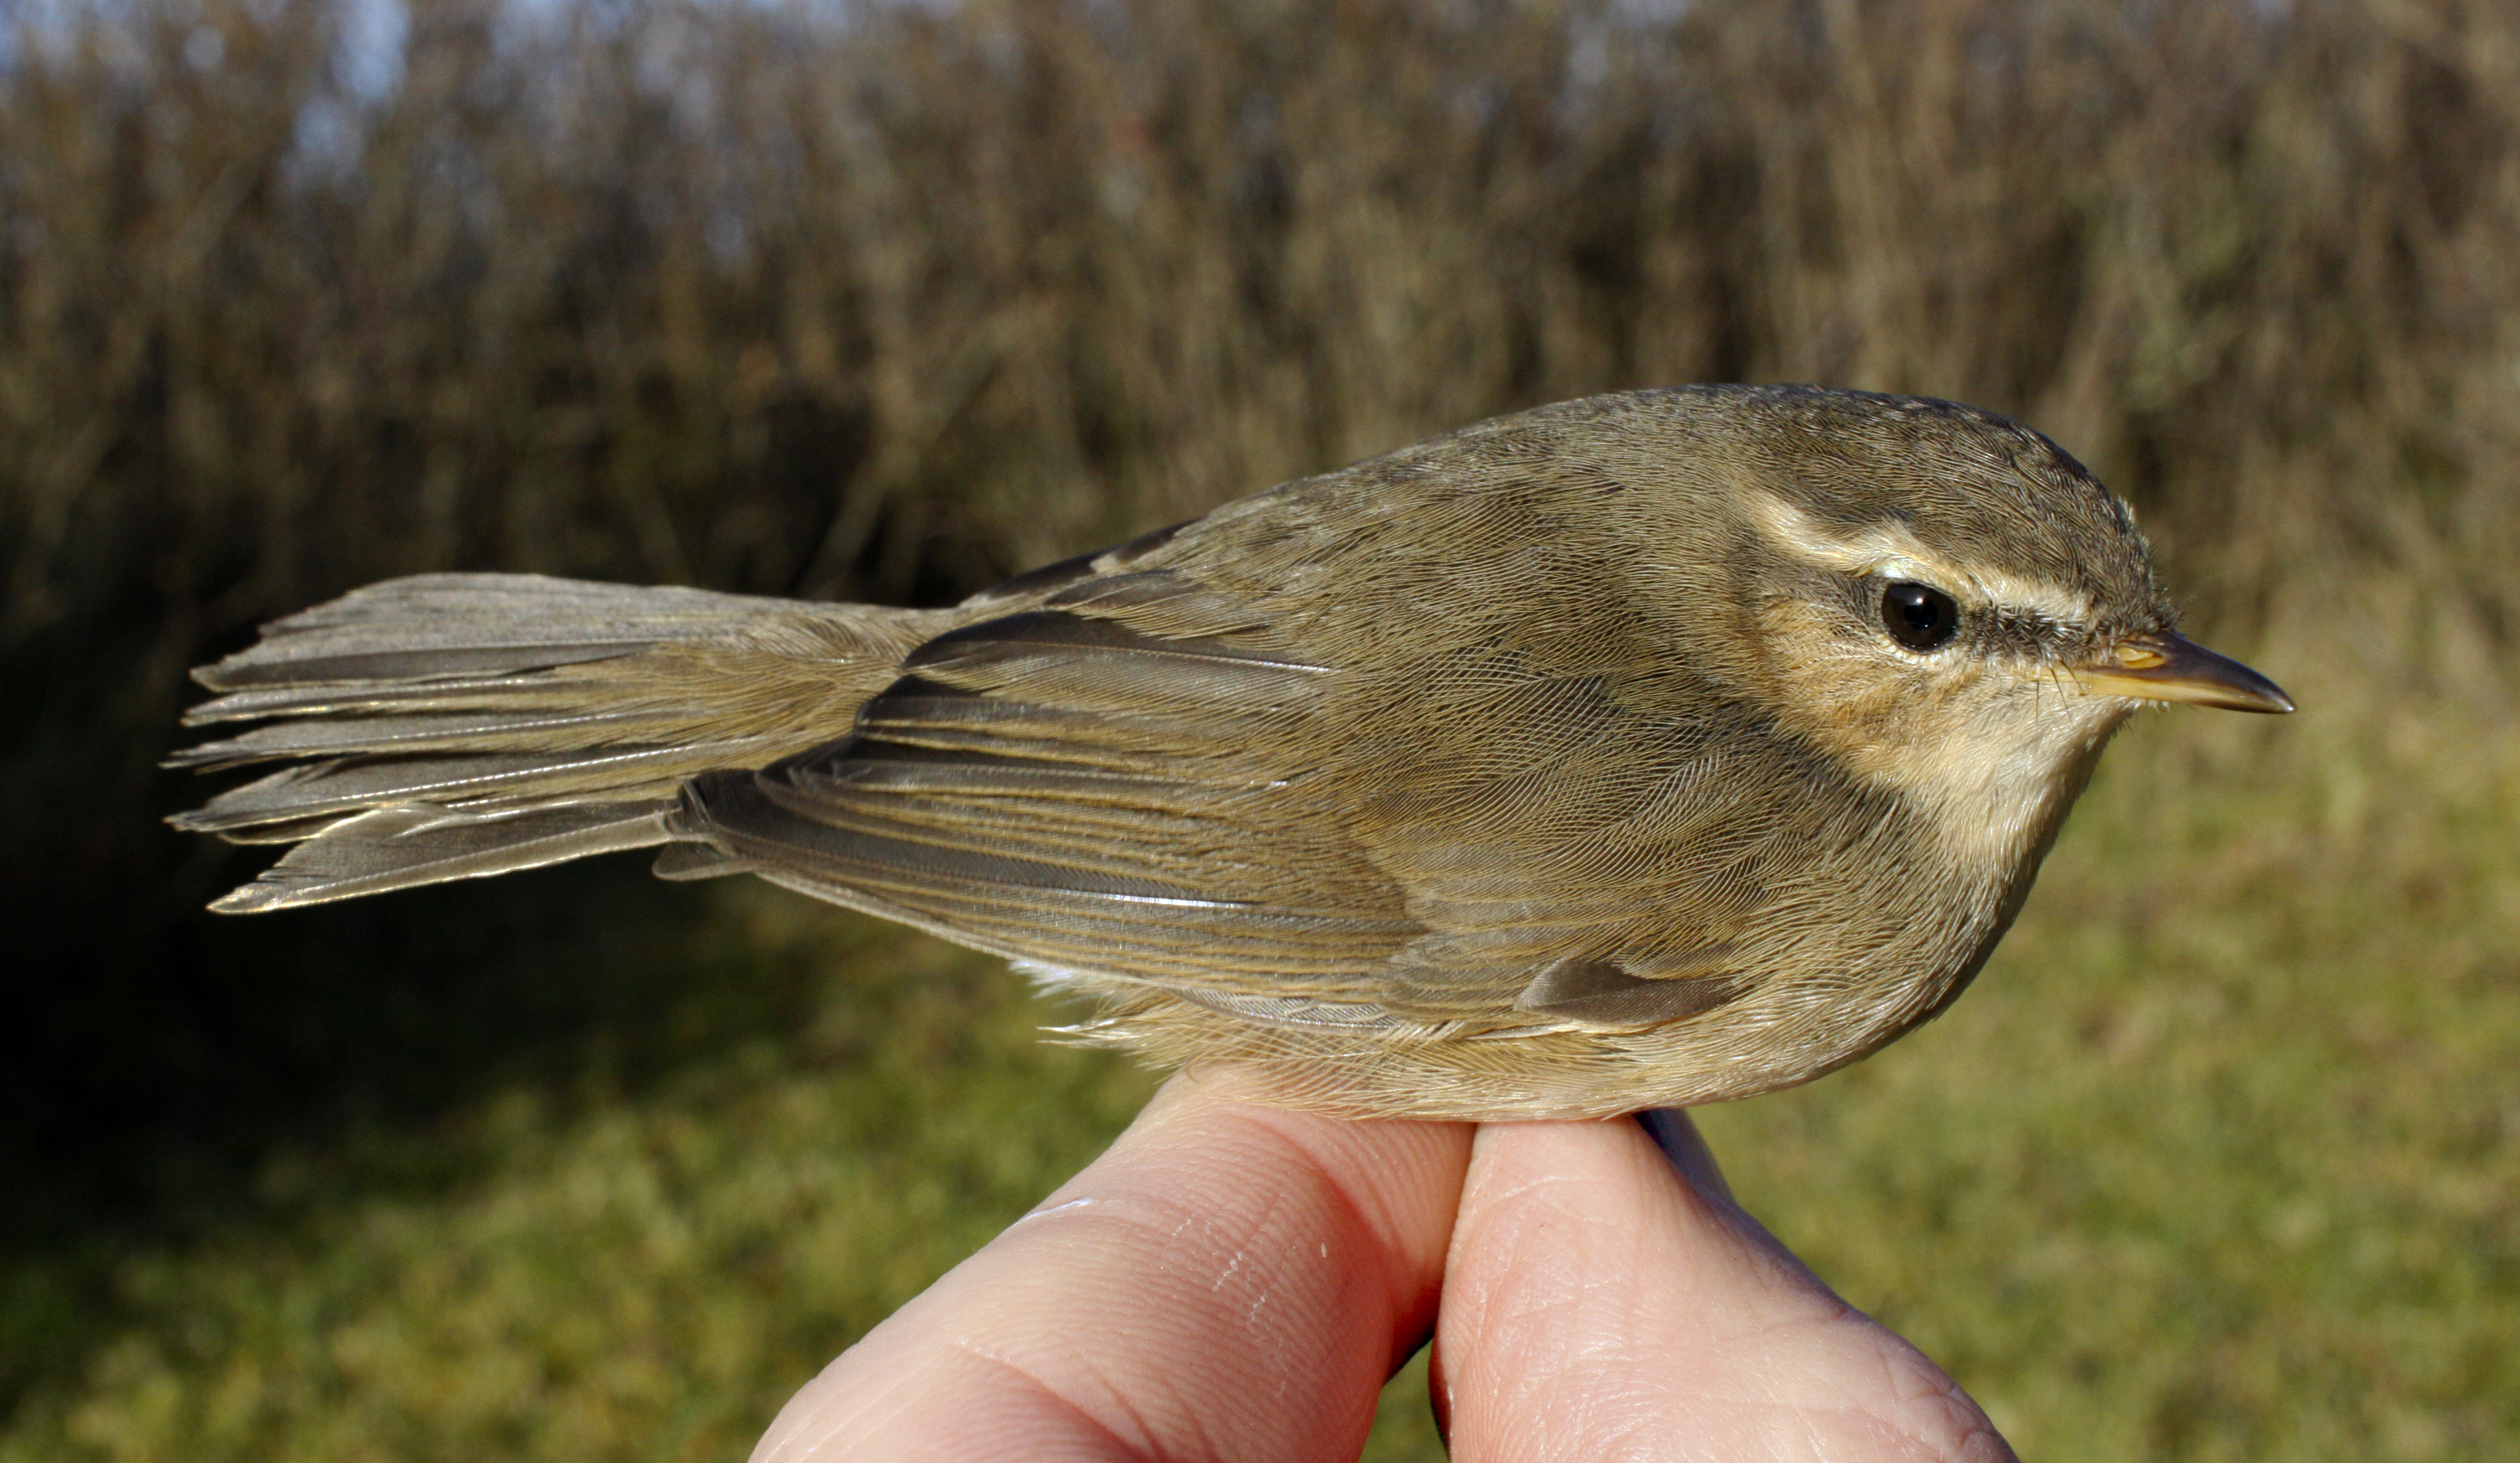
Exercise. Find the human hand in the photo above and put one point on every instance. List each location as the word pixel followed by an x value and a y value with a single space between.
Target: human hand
pixel 1236 1281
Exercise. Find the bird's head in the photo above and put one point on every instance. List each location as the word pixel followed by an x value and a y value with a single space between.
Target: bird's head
pixel 1942 600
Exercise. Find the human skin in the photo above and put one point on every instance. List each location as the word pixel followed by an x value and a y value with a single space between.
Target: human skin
pixel 1234 1281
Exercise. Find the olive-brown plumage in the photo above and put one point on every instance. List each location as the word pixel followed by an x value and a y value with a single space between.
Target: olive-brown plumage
pixel 1646 750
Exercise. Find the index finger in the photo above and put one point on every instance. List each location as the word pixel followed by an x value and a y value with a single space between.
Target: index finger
pixel 1229 1281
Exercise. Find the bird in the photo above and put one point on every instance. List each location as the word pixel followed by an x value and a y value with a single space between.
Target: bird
pixel 1648 749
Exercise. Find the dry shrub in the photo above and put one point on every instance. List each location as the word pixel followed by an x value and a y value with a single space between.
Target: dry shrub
pixel 760 298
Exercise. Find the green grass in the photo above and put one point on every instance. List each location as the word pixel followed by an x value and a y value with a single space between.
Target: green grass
pixel 646 1276
pixel 2217 1162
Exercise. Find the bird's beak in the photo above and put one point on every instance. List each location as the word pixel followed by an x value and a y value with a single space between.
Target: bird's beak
pixel 2172 668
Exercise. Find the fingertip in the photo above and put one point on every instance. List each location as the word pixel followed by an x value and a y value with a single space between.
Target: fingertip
pixel 1218 1129
pixel 1606 1297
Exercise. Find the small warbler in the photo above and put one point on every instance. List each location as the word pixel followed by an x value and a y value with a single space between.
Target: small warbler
pixel 1635 751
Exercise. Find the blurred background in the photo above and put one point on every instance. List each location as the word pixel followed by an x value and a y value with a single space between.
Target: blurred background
pixel 2219 1160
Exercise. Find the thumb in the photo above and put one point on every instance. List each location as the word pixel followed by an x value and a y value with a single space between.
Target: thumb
pixel 1605 1299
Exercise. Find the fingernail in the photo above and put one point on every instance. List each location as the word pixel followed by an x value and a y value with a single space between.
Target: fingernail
pixel 1677 1137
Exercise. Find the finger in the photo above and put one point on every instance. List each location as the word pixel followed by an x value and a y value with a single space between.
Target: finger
pixel 1604 1301
pixel 1229 1281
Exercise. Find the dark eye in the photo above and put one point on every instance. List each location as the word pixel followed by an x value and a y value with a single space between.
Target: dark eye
pixel 1919 617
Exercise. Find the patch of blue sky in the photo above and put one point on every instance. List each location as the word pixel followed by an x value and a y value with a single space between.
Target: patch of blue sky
pixel 367 58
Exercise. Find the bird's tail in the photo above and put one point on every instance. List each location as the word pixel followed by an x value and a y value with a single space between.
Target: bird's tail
pixel 449 726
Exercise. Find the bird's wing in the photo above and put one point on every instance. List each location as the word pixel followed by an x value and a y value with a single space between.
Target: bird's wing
pixel 1098 783
pixel 1582 850
pixel 1135 778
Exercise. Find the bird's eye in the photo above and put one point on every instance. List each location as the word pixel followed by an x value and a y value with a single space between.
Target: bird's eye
pixel 1919 617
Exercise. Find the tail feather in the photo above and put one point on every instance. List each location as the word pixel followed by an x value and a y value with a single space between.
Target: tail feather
pixel 469 730
pixel 323 698
pixel 449 726
pixel 484 783
pixel 400 848
pixel 478 624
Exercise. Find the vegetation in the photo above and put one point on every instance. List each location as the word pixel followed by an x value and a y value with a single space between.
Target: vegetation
pixel 2217 1162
